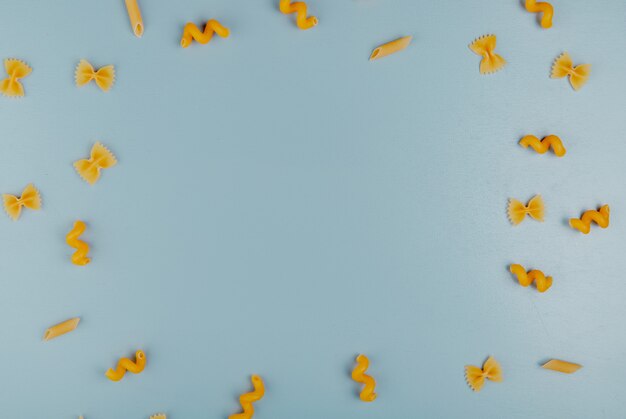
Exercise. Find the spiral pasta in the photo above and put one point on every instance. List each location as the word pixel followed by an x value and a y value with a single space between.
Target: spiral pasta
pixel 600 217
pixel 126 364
pixel 82 249
pixel 192 32
pixel 476 376
pixel 16 70
pixel 551 141
pixel 247 399
pixel 358 375
pixel 542 7
pixel 30 199
pixel 299 8
pixel 524 278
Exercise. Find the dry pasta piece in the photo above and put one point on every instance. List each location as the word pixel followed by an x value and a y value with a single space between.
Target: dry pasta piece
pixel 390 47
pixel 358 375
pixel 134 14
pixel 247 399
pixel 82 249
pixel 126 364
pixel 517 211
pixel 299 8
pixel 30 199
pixel 158 416
pixel 563 67
pixel 104 77
pixel 561 366
pixel 542 7
pixel 61 328
pixel 475 376
pixel 524 278
pixel 551 141
pixel 192 32
pixel 485 46
pixel 600 217
pixel 16 70
pixel 100 158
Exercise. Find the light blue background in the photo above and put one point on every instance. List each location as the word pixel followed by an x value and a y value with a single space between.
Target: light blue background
pixel 281 204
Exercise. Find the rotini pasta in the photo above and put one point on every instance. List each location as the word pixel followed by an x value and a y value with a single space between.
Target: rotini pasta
pixel 600 217
pixel 517 211
pixel 551 141
pixel 299 8
pixel 30 199
pixel 524 278
pixel 192 32
pixel 126 364
pixel 390 47
pixel 134 14
pixel 561 366
pixel 485 46
pixel 104 77
pixel 542 7
pixel 475 376
pixel 247 399
pixel 61 328
pixel 563 67
pixel 358 375
pixel 82 249
pixel 16 70
pixel 100 158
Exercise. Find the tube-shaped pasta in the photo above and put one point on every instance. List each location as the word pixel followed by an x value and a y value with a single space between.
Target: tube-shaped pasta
pixel 134 14
pixel 390 47
pixel 61 328
pixel 561 366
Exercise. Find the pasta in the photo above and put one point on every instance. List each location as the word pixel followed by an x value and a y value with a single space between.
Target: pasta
pixel 564 67
pixel 390 47
pixel 358 375
pixel 561 366
pixel 30 199
pixel 134 14
pixel 247 399
pixel 542 7
pixel 158 416
pixel 104 77
pixel 61 328
pixel 16 70
pixel 484 46
pixel 551 141
pixel 517 211
pixel 524 278
pixel 475 376
pixel 100 158
pixel 192 32
pixel 126 364
pixel 299 8
pixel 82 249
pixel 600 217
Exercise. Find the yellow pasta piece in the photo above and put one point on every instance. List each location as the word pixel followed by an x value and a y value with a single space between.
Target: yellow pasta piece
pixel 600 217
pixel 16 70
pixel 299 8
pixel 485 46
pixel 30 199
pixel 524 278
pixel 542 7
pixel 104 77
pixel 134 14
pixel 247 399
pixel 192 32
pixel 551 141
pixel 126 364
pixel 61 328
pixel 517 211
pixel 100 158
pixel 563 67
pixel 475 376
pixel 358 375
pixel 158 416
pixel 561 366
pixel 390 47
pixel 82 249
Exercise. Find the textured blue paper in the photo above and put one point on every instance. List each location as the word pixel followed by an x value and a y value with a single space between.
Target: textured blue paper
pixel 281 204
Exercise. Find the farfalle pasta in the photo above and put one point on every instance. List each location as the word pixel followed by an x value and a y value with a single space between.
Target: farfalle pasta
pixel 485 46
pixel 299 8
pixel 517 211
pixel 390 47
pixel 104 76
pixel 563 67
pixel 247 399
pixel 561 366
pixel 476 376
pixel 369 384
pixel 100 158
pixel 600 217
pixel 524 278
pixel 126 364
pixel 192 32
pixel 549 142
pixel 30 199
pixel 16 70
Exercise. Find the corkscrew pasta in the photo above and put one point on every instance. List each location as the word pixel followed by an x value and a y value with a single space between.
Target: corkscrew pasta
pixel 126 364
pixel 517 211
pixel 300 9
pixel 30 199
pixel 600 217
pixel 134 14
pixel 551 141
pixel 16 70
pixel 485 46
pixel 390 48
pixel 247 399
pixel 82 249
pixel 561 366
pixel 524 278
pixel 563 67
pixel 542 7
pixel 100 158
pixel 192 32
pixel 476 376
pixel 104 77
pixel 61 328
pixel 358 375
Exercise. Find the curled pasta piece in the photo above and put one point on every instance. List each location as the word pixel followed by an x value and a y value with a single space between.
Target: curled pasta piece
pixel 561 366
pixel 542 7
pixel 126 364
pixel 475 376
pixel 104 77
pixel 134 14
pixel 192 32
pixel 358 375
pixel 485 46
pixel 247 399
pixel 16 70
pixel 82 249
pixel 551 141
pixel 524 278
pixel 61 328
pixel 299 8
pixel 390 47
pixel 30 199
pixel 517 211
pixel 600 217
pixel 100 158
pixel 563 67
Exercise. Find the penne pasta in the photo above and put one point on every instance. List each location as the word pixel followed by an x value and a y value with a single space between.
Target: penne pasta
pixel 61 328
pixel 561 366
pixel 390 47
pixel 134 14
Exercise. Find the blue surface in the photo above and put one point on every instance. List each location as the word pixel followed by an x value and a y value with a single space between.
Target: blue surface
pixel 282 204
